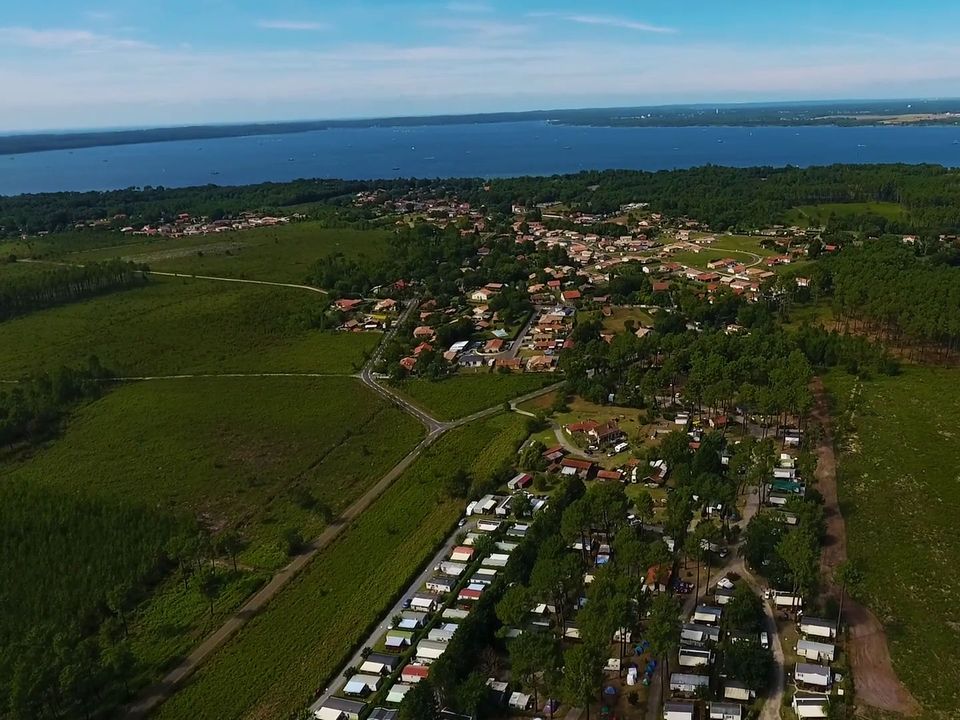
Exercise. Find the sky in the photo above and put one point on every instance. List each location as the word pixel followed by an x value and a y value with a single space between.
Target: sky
pixel 68 64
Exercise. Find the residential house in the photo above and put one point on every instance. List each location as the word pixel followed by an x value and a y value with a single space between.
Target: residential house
pixel 814 676
pixel 414 673
pixel 461 553
pixel 471 592
pixel 336 708
pixel 396 693
pixel 675 710
pixel 412 620
pixel 810 706
pixel 441 584
pixel 397 640
pixel 347 305
pixel 817 651
pixel 573 466
pixel 724 711
pixel 430 650
pixel 362 684
pixel 698 634
pixel 685 684
pixel 424 603
pixel 379 664
pixel 708 614
pixel 817 627
pixel 443 633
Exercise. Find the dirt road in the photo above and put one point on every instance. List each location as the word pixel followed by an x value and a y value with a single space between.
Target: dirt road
pixel 876 683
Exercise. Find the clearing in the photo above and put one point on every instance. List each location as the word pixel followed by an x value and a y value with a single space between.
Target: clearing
pixel 461 395
pixel 173 326
pixel 284 253
pixel 899 495
pixel 819 215
pixel 285 655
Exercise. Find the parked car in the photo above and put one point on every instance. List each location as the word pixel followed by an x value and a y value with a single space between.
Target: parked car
pixel 764 641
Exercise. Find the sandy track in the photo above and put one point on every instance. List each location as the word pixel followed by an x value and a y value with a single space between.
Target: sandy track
pixel 874 678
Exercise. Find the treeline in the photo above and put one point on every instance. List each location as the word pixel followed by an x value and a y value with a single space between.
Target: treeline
pixel 30 411
pixel 748 198
pixel 884 290
pixel 22 294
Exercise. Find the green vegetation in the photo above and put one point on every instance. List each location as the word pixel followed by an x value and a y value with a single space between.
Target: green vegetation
pixel 284 253
pixel 185 326
pixel 827 213
pixel 899 495
pixel 462 395
pixel 280 659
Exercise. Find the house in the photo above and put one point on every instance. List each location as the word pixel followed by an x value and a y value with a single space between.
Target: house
pixel 722 595
pixel 817 651
pixel 443 633
pixel 461 553
pixel 679 710
pixel 688 684
pixel 382 713
pixel 693 657
pixel 414 673
pixel 424 603
pixel 657 577
pixel 453 569
pixel 570 295
pixel 606 434
pixel 783 598
pixel 482 295
pixel 412 620
pixel 471 592
pixel 699 634
pixel 423 332
pixel 572 466
pixel 493 346
pixel 520 701
pixel 387 305
pixel 708 614
pixel 818 627
pixel 455 614
pixel 397 640
pixel 347 305
pixel 661 286
pixel 609 475
pixel 336 708
pixel 810 706
pixel 724 711
pixel 422 348
pixel 441 584
pixel 430 650
pixel 396 693
pixel 736 690
pixel 362 685
pixel 541 363
pixel 817 676
pixel 408 363
pixel 520 481
pixel 512 364
pixel 379 664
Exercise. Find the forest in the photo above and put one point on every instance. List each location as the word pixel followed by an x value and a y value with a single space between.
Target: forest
pixel 65 284
pixel 722 197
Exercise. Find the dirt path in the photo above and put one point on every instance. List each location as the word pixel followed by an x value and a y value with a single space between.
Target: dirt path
pixel 874 678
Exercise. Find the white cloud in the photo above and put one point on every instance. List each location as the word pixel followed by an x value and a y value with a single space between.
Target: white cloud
pixel 295 25
pixel 464 6
pixel 65 39
pixel 489 29
pixel 607 21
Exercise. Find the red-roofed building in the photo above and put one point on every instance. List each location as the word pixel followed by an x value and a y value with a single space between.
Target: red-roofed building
pixel 413 674
pixel 424 331
pixel 421 348
pixel 348 305
pixel 661 286
pixel 570 295
pixel 493 346
pixel 657 578
pixel 408 363
pixel 609 475
pixel 573 466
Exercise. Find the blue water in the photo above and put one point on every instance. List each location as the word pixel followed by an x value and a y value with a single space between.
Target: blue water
pixel 491 150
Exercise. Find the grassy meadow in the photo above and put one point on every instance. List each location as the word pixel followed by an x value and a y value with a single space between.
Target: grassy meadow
pixel 900 495
pixel 464 394
pixel 818 215
pixel 182 325
pixel 278 254
pixel 276 664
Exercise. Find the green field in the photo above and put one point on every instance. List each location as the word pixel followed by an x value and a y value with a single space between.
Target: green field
pixel 818 215
pixel 284 655
pixel 185 326
pixel 280 254
pixel 232 450
pixel 900 495
pixel 463 395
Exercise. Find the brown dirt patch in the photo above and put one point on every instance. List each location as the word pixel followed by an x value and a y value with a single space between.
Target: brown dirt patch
pixel 876 683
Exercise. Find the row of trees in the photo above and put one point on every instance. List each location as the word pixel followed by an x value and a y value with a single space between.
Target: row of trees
pixel 22 294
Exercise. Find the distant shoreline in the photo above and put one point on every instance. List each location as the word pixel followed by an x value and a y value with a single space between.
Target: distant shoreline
pixel 845 113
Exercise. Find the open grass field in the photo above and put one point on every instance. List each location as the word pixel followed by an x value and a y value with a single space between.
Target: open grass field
pixel 900 494
pixel 184 326
pixel 286 654
pixel 614 323
pixel 818 215
pixel 235 451
pixel 279 254
pixel 463 395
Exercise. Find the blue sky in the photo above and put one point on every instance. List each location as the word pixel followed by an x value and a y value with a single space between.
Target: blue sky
pixel 112 63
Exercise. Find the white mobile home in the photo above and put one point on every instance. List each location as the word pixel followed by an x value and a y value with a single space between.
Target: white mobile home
pixel 817 627
pixel 430 650
pixel 818 676
pixel 688 684
pixel 693 657
pixel 678 710
pixel 818 651
pixel 699 634
pixel 724 711
pixel 708 614
pixel 736 690
pixel 810 706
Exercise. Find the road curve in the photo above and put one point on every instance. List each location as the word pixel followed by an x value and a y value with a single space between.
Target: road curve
pixel 237 280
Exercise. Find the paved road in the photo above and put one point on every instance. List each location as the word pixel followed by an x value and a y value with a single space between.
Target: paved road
pixel 374 636
pixel 238 280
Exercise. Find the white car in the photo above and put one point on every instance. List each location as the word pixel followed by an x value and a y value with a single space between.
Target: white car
pixel 764 641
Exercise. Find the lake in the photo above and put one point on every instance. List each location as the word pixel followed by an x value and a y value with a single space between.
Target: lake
pixel 482 150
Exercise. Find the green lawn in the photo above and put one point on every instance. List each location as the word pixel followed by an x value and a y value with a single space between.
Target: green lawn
pixel 818 215
pixel 283 656
pixel 185 326
pixel 900 495
pixel 280 254
pixel 462 395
